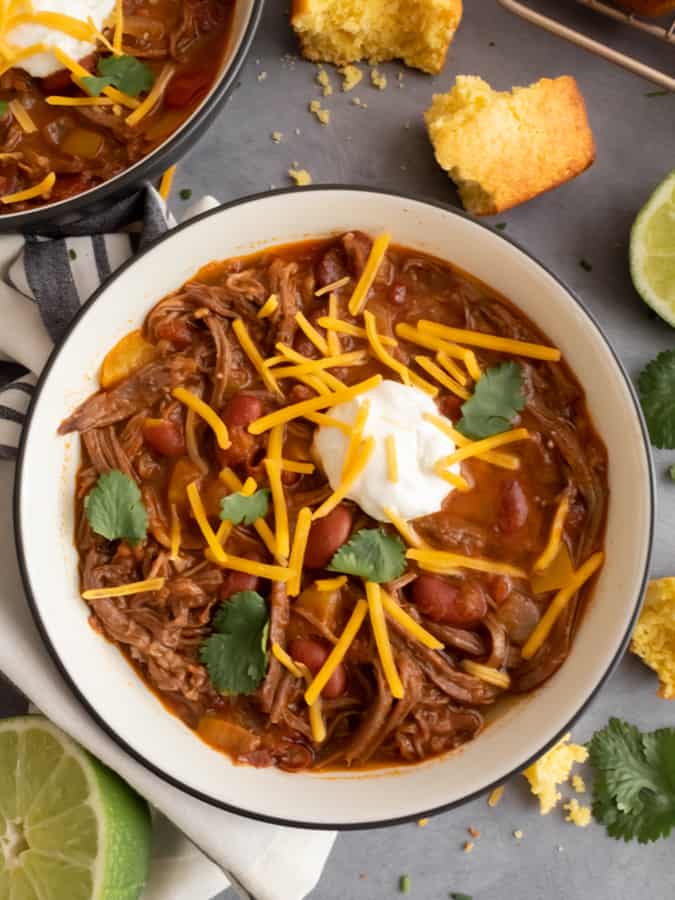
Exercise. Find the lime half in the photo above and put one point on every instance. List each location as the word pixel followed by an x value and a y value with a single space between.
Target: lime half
pixel 70 829
pixel 652 250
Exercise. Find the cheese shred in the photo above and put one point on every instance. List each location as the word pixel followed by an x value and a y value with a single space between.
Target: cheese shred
pixel 269 306
pixel 254 356
pixel 487 674
pixel 334 286
pixel 503 460
pixel 360 296
pixel 413 628
pixel 440 559
pixel 392 459
pixel 330 584
pixel 311 333
pixel 441 377
pixel 280 654
pixel 490 341
pixel 155 95
pixel 338 653
pixel 348 480
pixel 22 117
pixel 297 556
pixel 382 642
pixel 379 352
pixel 553 545
pixel 175 533
pixel 333 324
pixel 331 333
pixel 210 416
pixel 166 182
pixel 405 529
pixel 42 189
pixel 125 590
pixel 475 448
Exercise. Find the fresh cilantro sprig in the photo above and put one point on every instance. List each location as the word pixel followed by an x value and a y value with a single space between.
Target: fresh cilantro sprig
pixel 114 508
pixel 240 509
pixel 126 73
pixel 235 655
pixel 634 784
pixel 497 399
pixel 371 554
pixel 657 395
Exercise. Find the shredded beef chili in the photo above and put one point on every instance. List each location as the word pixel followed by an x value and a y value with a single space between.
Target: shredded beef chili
pixel 506 515
pixel 87 145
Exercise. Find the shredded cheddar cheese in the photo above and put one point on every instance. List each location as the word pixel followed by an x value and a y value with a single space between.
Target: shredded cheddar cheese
pixel 496 795
pixel 316 721
pixel 559 602
pixel 380 353
pixel 337 654
pixel 154 96
pixel 254 356
pixel 441 377
pixel 251 567
pixel 405 529
pixel 175 533
pixel 125 590
pixel 503 460
pixel 316 366
pixel 119 26
pixel 475 448
pixel 79 72
pixel 381 635
pixel 54 100
pixel 348 480
pixel 333 324
pixel 330 584
pixel 553 545
pixel 14 57
pixel 357 434
pixel 332 338
pixel 166 182
pixel 360 296
pixel 260 525
pixel 210 416
pixel 431 342
pixel 490 341
pixel 392 460
pixel 226 526
pixel 334 286
pixel 273 468
pixel 76 28
pixel 451 368
pixel 457 481
pixel 413 628
pixel 295 410
pixel 422 384
pixel 22 117
pixel 297 556
pixel 202 520
pixel 441 559
pixel 279 653
pixel 488 674
pixel 322 419
pixel 269 306
pixel 42 189
pixel 311 333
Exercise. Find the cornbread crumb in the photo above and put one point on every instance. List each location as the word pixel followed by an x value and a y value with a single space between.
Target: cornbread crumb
pixel 577 814
pixel 496 795
pixel 262 76
pixel 345 31
pixel 323 80
pixel 277 136
pixel 503 148
pixel 378 79
pixel 552 769
pixel 351 75
pixel 518 834
pixel 357 101
pixel 468 846
pixel 578 784
pixel 474 832
pixel 654 637
pixel 422 823
pixel 323 115
pixel 300 176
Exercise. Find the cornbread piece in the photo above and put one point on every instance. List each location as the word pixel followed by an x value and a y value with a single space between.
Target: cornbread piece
pixel 646 7
pixel 300 176
pixel 553 769
pixel 344 31
pixel 654 636
pixel 503 148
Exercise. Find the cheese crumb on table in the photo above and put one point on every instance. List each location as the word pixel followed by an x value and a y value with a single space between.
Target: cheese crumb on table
pixel 654 637
pixel 300 176
pixel 378 79
pixel 323 115
pixel 323 80
pixel 577 814
pixel 351 76
pixel 552 769
pixel 502 148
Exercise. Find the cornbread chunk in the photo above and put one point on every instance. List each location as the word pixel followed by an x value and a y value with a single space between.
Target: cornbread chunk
pixel 502 148
pixel 654 636
pixel 553 769
pixel 345 31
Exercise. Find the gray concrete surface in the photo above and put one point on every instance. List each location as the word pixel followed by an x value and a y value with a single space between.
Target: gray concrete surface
pixel 385 145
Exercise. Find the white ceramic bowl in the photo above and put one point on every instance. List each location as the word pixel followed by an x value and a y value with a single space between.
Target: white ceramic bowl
pixel 97 671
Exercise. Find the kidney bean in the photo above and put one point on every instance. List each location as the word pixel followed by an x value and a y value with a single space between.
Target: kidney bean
pixel 450 406
pixel 164 437
pixel 441 601
pixel 326 536
pixel 242 409
pixel 59 82
pixel 176 332
pixel 513 508
pixel 519 614
pixel 314 654
pixel 233 582
pixel 331 267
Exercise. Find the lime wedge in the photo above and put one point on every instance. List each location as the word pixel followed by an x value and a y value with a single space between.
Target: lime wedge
pixel 652 250
pixel 70 829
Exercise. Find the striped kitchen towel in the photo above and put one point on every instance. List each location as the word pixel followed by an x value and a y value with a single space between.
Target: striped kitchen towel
pixel 44 281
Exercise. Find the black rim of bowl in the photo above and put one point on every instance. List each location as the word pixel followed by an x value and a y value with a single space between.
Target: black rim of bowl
pixel 138 756
pixel 171 150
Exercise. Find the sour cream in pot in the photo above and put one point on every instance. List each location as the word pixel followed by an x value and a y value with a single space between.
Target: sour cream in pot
pixel 395 409
pixel 40 65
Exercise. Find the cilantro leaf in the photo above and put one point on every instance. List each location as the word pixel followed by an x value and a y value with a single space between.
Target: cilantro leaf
pixel 634 784
pixel 657 395
pixel 371 554
pixel 114 508
pixel 497 398
pixel 126 73
pixel 3 107
pixel 238 509
pixel 235 655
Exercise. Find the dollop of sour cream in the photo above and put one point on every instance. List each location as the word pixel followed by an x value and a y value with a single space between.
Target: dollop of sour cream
pixel 39 65
pixel 398 410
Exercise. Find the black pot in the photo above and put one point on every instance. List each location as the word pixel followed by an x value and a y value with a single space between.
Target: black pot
pixel 71 214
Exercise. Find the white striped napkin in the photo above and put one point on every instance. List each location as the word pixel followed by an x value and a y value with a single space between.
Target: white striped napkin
pixel 43 282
